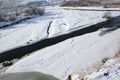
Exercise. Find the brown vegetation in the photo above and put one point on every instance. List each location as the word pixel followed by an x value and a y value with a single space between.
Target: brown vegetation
pixel 69 77
pixel 113 5
pixel 105 4
pixel 95 68
pixel 29 11
pixel 75 76
pixel 105 59
pixel 75 3
pixel 79 3
pixel 117 54
pixel 107 15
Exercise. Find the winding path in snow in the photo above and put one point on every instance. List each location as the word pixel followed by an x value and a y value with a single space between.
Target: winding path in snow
pixel 21 51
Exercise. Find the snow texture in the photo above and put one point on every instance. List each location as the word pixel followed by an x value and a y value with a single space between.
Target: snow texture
pixel 33 30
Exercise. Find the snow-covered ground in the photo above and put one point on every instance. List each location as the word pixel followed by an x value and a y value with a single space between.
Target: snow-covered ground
pixel 71 55
pixel 33 30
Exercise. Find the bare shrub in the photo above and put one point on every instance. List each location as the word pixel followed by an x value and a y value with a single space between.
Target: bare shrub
pixel 105 59
pixel 39 11
pixel 107 15
pixel 29 11
pixel 81 3
pixel 13 6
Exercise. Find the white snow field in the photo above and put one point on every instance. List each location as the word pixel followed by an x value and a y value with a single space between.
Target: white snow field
pixel 71 55
pixel 33 30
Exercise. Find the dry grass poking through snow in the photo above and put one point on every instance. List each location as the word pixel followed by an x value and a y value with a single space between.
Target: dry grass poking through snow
pixel 105 63
pixel 96 68
pixel 107 15
pixel 80 76
pixel 117 54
